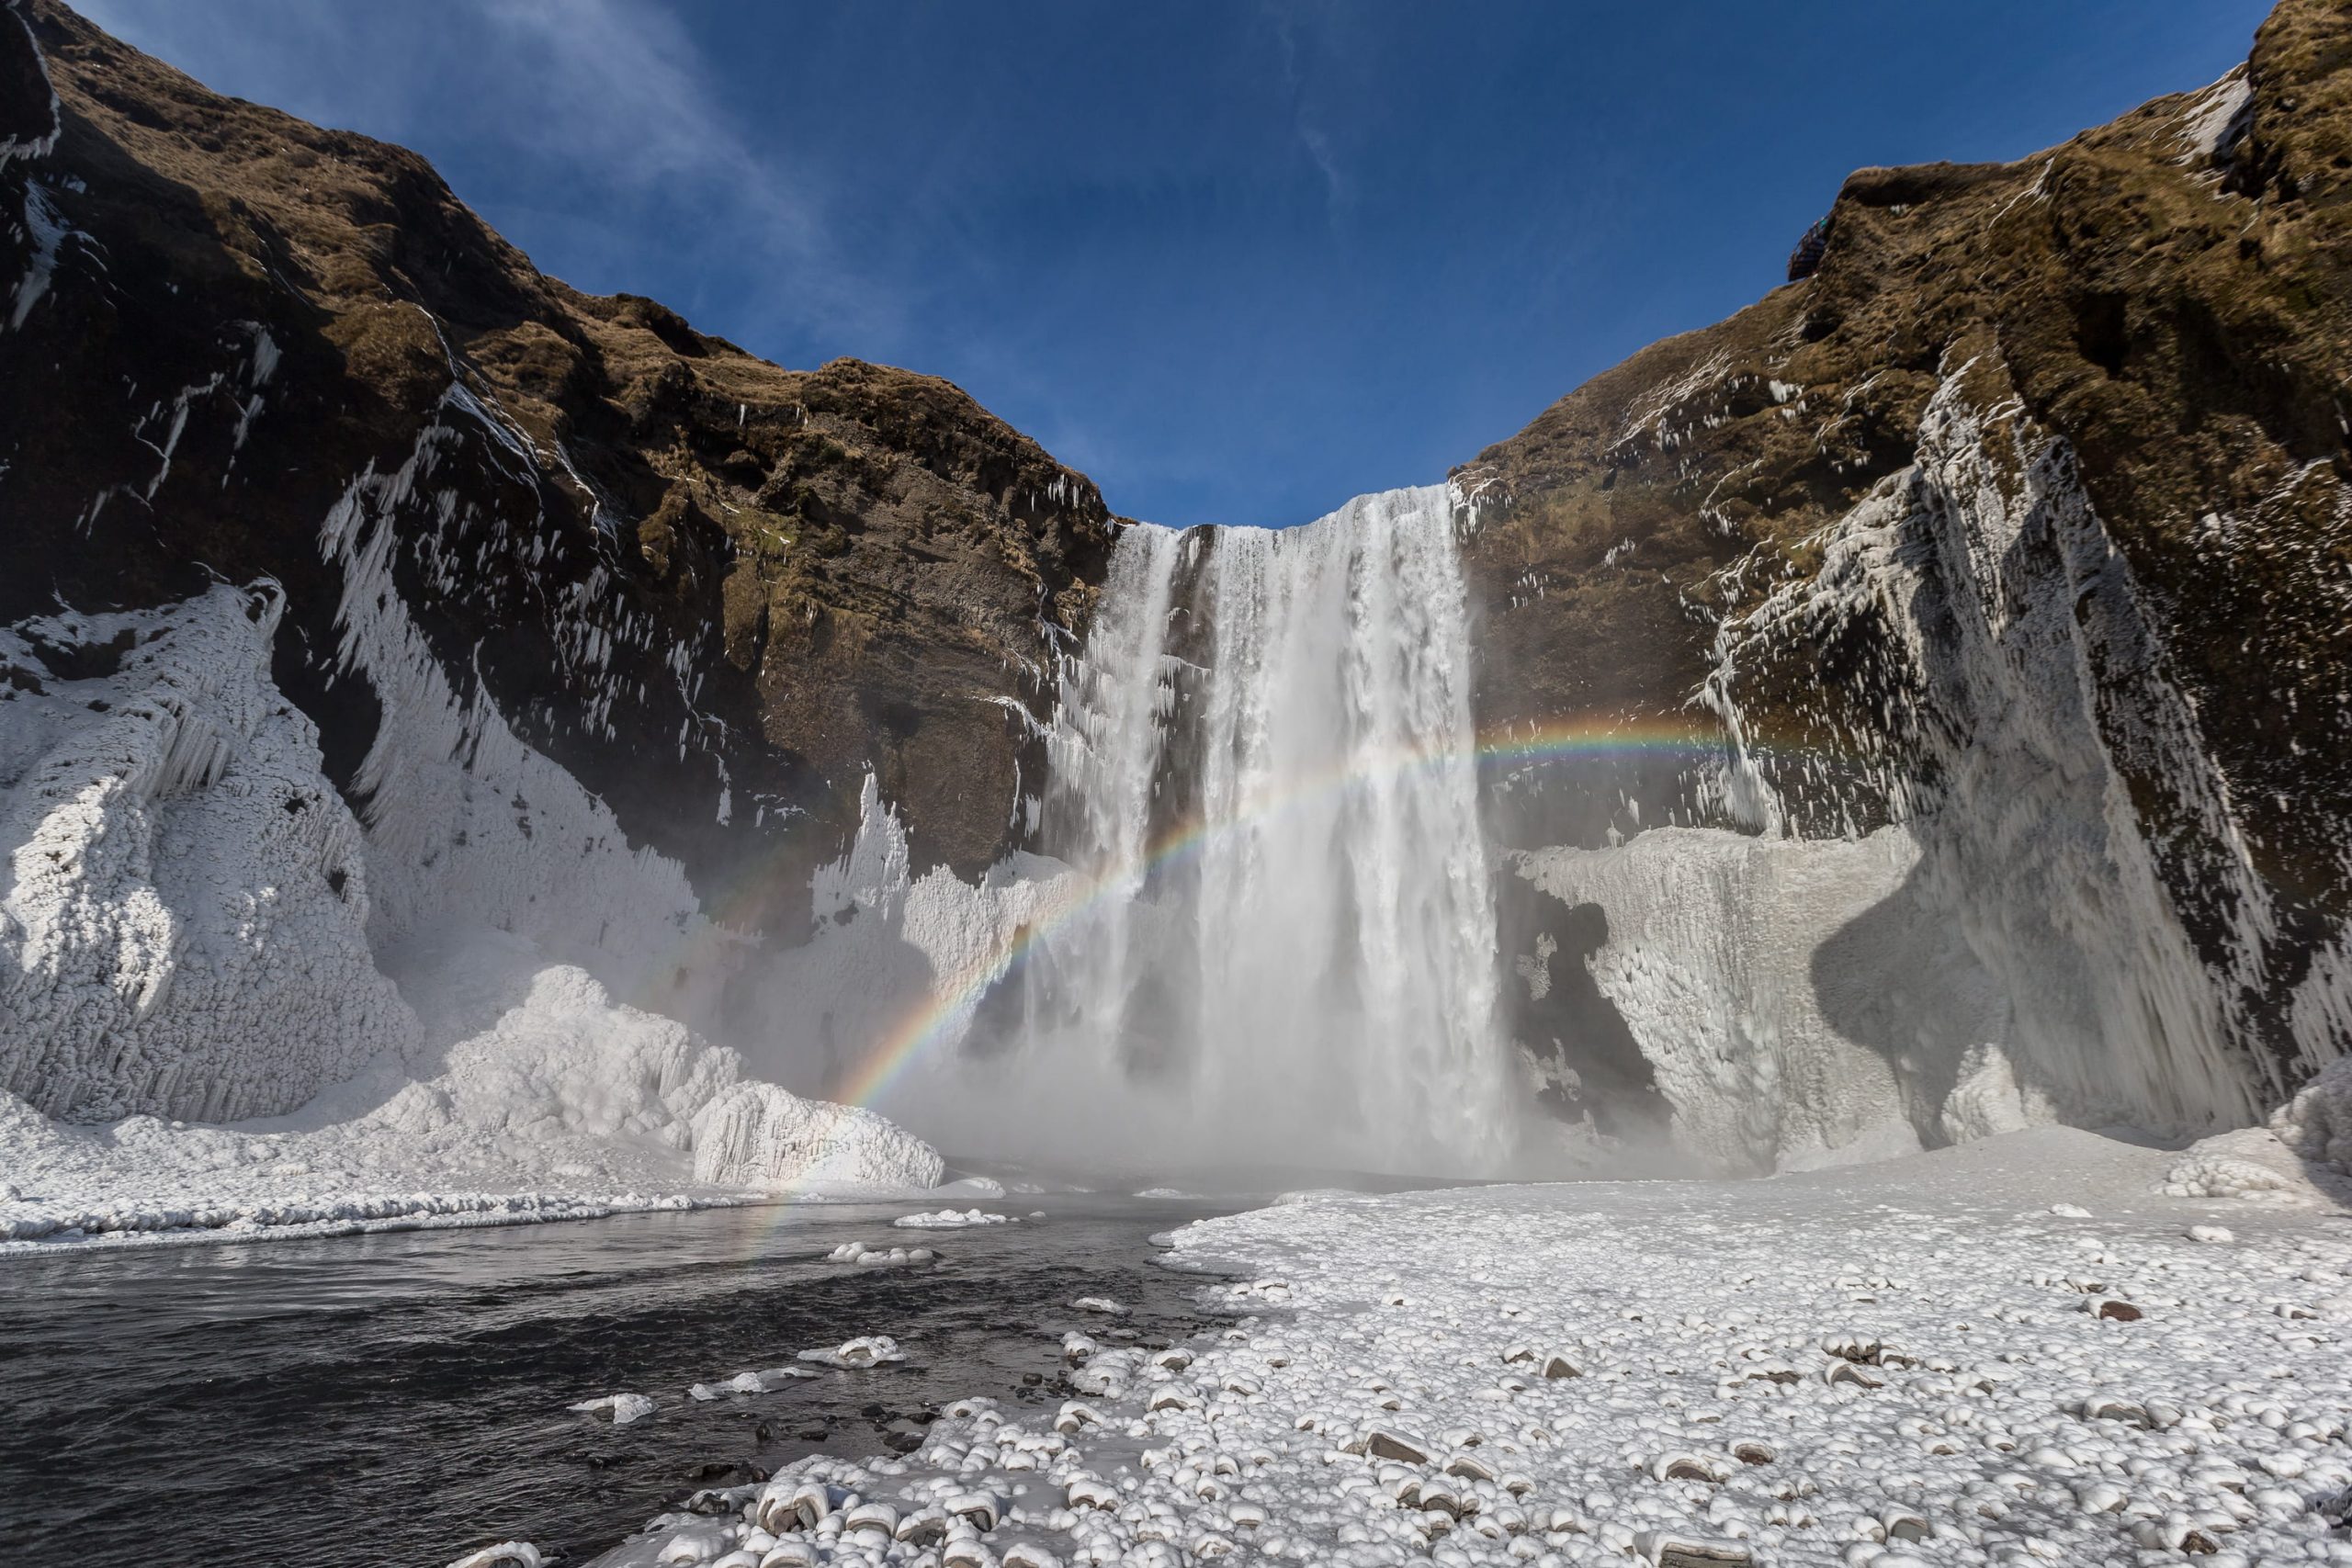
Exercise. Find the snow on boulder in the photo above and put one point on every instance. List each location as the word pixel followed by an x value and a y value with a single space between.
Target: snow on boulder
pixel 865 1350
pixel 183 928
pixel 759 1135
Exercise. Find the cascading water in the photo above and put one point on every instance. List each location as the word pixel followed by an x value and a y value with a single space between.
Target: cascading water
pixel 1263 762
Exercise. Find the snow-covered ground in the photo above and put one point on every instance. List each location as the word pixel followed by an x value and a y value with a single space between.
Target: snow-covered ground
pixel 2019 1351
pixel 550 1102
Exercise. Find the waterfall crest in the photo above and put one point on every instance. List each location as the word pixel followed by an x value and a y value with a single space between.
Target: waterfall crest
pixel 1263 764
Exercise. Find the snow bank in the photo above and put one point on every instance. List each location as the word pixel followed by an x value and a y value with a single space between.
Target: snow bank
pixel 541 1052
pixel 549 1100
pixel 185 901
pixel 1920 1363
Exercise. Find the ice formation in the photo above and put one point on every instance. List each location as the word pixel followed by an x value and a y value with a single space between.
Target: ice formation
pixel 2317 1123
pixel 194 927
pixel 183 922
pixel 951 1219
pixel 760 1135
pixel 188 932
pixel 535 1097
pixel 1793 1018
pixel 1920 1363
pixel 460 813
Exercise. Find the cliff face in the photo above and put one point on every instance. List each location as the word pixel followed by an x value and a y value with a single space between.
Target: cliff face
pixel 714 591
pixel 1975 616
pixel 2023 524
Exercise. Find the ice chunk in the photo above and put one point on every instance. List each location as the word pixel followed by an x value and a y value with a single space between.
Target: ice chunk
pixel 866 1350
pixel 626 1407
pixel 505 1555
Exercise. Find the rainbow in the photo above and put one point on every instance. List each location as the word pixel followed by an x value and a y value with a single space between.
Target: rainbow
pixel 938 1018
pixel 952 1002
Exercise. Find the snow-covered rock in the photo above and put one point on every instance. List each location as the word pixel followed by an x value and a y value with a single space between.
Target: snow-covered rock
pixel 865 1350
pixel 758 1136
pixel 2317 1123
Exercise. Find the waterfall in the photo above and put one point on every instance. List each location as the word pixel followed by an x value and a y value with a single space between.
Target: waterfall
pixel 1263 765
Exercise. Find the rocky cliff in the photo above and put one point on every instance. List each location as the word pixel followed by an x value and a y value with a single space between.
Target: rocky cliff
pixel 1913 708
pixel 534 568
pixel 2022 525
pixel 713 590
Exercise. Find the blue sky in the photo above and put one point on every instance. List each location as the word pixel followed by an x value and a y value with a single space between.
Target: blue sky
pixel 1237 261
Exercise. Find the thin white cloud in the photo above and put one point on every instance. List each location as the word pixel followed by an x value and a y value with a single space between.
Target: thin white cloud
pixel 610 105
pixel 1300 28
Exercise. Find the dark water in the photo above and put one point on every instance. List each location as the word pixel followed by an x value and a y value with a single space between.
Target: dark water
pixel 400 1398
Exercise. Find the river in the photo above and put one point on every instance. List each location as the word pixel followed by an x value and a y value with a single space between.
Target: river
pixel 399 1398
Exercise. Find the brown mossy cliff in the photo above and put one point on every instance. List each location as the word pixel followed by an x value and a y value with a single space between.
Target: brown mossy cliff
pixel 2168 300
pixel 791 577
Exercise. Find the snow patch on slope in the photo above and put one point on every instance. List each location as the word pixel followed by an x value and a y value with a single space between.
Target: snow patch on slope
pixel 466 823
pixel 2214 119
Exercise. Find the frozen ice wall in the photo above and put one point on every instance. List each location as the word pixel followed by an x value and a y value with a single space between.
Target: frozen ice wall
pixel 184 898
pixel 2061 923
